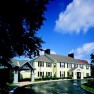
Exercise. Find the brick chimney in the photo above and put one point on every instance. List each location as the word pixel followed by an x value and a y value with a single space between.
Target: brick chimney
pixel 71 55
pixel 47 51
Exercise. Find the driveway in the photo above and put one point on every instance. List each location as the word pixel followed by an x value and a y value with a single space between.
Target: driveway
pixel 58 87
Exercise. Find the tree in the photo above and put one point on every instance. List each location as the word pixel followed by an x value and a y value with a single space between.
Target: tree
pixel 92 65
pixel 19 22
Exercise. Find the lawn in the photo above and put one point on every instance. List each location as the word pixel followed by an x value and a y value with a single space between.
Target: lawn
pixel 87 88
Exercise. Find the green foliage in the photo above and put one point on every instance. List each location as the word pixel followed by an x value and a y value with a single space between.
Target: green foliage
pixel 68 77
pixel 88 77
pixel 11 77
pixel 6 75
pixel 88 88
pixel 89 85
pixel 92 65
pixel 19 22
pixel 38 79
pixel 90 82
pixel 92 58
pixel 51 78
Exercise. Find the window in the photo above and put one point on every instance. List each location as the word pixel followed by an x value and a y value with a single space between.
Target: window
pixel 62 64
pixel 40 74
pixel 40 64
pixel 69 74
pixel 48 73
pixel 48 64
pixel 54 65
pixel 75 65
pixel 69 65
pixel 81 66
pixel 87 74
pixel 87 67
pixel 62 73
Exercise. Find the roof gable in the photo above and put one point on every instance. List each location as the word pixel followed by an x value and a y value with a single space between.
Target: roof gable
pixel 21 63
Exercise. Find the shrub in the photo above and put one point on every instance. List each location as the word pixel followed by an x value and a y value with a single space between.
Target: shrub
pixel 11 77
pixel 38 79
pixel 88 77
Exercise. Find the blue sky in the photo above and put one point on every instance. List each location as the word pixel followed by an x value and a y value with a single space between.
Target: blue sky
pixel 69 28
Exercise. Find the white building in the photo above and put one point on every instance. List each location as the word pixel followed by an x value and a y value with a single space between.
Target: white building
pixel 60 66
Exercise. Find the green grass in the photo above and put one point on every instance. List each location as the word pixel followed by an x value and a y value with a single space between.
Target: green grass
pixel 11 84
pixel 87 88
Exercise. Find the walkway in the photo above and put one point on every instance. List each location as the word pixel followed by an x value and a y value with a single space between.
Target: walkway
pixel 28 82
pixel 56 87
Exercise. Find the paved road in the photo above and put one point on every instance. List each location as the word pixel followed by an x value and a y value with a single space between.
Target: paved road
pixel 59 87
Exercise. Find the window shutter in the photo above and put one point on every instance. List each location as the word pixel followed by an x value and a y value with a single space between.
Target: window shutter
pixel 60 64
pixel 72 74
pixel 64 65
pixel 43 74
pixel 43 64
pixel 46 64
pixel 38 74
pixel 60 73
pixel 46 73
pixel 38 64
pixel 67 65
pixel 64 73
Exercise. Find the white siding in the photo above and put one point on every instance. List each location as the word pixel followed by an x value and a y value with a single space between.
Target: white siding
pixel 57 69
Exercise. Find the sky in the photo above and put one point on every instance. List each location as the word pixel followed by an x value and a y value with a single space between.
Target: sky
pixel 69 28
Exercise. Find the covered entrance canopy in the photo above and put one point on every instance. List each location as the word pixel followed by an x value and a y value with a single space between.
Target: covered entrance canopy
pixel 76 73
pixel 23 69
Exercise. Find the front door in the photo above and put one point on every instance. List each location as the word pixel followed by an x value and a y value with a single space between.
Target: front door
pixel 78 75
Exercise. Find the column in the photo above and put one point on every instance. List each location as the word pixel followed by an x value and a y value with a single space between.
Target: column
pixel 15 77
pixel 32 76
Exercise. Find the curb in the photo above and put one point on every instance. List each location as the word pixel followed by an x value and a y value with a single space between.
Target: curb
pixel 87 90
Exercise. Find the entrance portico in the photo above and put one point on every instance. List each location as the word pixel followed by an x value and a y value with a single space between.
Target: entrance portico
pixel 25 71
pixel 77 73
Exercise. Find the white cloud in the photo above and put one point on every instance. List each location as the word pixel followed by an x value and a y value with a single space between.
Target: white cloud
pixel 84 51
pixel 78 17
pixel 41 52
pixel 52 52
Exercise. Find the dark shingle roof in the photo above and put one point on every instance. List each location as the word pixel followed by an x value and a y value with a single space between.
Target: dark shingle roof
pixel 61 58
pixel 57 58
pixel 42 58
